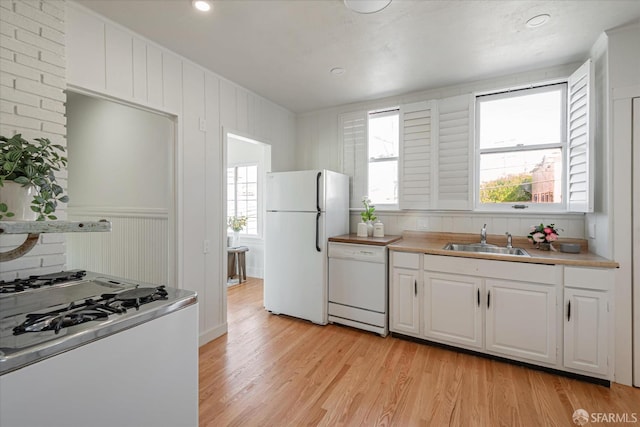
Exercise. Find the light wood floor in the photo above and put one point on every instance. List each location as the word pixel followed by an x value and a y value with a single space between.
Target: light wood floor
pixel 278 371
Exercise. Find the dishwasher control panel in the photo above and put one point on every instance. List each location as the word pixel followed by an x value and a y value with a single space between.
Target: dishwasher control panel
pixel 358 252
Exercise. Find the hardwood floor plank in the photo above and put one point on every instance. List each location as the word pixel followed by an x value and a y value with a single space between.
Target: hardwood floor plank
pixel 279 371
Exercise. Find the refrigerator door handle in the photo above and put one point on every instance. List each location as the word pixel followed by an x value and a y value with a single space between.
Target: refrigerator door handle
pixel 318 232
pixel 318 191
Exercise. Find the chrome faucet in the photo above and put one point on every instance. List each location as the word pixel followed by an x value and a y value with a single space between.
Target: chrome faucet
pixel 483 235
pixel 509 240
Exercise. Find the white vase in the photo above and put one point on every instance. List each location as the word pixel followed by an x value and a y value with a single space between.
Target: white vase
pixel 236 238
pixel 18 200
pixel 370 228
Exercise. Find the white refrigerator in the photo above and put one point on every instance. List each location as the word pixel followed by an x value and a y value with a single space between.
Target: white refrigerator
pixel 304 209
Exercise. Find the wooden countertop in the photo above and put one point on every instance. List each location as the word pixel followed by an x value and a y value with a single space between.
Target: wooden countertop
pixel 432 243
pixel 375 241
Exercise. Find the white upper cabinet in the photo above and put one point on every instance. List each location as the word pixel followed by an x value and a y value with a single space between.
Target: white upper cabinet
pixel 455 151
pixel 416 160
pixel 580 164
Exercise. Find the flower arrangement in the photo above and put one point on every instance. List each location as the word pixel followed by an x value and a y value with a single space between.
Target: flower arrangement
pixel 237 223
pixel 369 209
pixel 543 233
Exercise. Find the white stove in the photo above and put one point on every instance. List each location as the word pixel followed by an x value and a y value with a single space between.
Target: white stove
pixel 86 335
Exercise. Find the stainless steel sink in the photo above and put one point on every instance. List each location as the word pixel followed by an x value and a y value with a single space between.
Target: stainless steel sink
pixel 489 249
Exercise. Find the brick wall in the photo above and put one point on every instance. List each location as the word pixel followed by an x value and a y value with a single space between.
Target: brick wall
pixel 32 103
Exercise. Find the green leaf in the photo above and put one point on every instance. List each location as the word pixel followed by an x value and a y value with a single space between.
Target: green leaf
pixel 3 207
pixel 64 199
pixel 10 214
pixel 14 155
pixel 52 217
pixel 35 208
pixel 22 180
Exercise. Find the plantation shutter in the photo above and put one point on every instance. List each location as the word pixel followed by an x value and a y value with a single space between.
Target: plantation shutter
pixel 580 140
pixel 454 150
pixel 352 128
pixel 416 155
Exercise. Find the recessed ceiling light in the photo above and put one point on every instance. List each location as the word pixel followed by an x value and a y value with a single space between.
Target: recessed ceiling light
pixel 337 71
pixel 202 5
pixel 538 20
pixel 366 6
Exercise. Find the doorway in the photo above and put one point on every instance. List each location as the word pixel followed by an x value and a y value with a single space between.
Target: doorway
pixel 121 168
pixel 248 161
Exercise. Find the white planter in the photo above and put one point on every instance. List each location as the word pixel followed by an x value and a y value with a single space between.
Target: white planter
pixel 18 199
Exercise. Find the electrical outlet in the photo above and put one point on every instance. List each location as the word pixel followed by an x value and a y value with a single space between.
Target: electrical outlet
pixel 203 125
pixel 592 230
pixel 206 246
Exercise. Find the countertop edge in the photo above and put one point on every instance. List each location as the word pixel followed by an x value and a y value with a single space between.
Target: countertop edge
pixel 404 246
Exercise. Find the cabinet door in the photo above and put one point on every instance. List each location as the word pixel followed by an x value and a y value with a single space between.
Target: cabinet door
pixel 452 310
pixel 405 314
pixel 585 330
pixel 521 320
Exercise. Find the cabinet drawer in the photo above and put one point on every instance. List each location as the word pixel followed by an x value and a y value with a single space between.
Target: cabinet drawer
pixel 406 259
pixel 588 278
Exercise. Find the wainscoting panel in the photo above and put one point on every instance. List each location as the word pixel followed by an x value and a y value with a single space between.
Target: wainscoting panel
pixel 137 247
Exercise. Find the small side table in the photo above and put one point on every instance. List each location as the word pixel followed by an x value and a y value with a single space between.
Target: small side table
pixel 236 263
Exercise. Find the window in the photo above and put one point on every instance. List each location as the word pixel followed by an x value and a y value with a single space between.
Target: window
pixel 521 144
pixel 242 195
pixel 383 147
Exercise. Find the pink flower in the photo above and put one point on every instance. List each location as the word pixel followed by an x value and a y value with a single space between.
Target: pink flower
pixel 538 237
pixel 552 237
pixel 548 230
pixel 532 229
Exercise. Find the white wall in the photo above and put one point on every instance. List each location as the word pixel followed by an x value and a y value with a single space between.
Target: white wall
pixel 32 81
pixel 119 156
pixel 241 153
pixel 105 58
pixel 318 147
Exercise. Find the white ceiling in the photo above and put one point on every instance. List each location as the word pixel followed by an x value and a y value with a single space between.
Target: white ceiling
pixel 284 49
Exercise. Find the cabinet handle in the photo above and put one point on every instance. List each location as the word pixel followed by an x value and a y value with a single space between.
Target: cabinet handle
pixel 569 311
pixel 488 299
pixel 478 297
pixel 415 287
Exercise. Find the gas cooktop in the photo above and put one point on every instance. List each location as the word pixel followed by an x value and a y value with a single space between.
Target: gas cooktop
pixel 44 315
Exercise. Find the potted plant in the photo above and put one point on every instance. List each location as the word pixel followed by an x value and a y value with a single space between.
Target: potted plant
pixel 236 224
pixel 368 215
pixel 27 172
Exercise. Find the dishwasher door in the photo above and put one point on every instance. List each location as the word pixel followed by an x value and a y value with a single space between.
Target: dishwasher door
pixel 358 286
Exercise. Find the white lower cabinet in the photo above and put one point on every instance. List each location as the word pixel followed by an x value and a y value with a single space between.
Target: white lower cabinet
pixel 521 320
pixel 485 306
pixel 452 309
pixel 405 310
pixel 586 320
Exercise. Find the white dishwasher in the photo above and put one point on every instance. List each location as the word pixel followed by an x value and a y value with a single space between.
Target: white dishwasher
pixel 358 286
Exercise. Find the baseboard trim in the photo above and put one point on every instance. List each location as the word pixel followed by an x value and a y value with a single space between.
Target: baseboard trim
pixel 212 334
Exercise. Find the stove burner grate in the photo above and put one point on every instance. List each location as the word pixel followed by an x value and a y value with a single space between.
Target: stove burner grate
pixel 35 282
pixel 89 310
